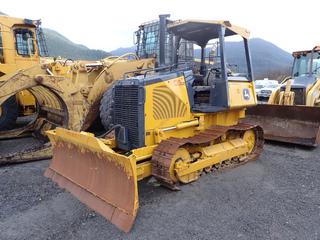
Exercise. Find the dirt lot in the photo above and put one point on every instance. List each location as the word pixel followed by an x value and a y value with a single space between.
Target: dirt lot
pixel 275 197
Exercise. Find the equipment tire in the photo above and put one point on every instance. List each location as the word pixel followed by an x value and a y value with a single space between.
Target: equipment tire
pixel 9 114
pixel 106 109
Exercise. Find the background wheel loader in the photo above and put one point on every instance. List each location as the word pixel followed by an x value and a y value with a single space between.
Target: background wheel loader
pixel 67 99
pixel 172 123
pixel 22 44
pixel 69 96
pixel 293 111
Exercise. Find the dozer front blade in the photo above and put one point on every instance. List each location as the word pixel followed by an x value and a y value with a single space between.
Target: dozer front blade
pixel 100 178
pixel 292 124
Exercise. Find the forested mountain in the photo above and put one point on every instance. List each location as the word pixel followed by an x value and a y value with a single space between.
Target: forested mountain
pixel 58 45
pixel 268 60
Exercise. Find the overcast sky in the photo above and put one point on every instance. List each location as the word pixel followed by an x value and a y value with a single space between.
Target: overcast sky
pixel 292 25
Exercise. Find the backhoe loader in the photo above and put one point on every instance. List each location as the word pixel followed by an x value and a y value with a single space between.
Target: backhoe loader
pixel 172 123
pixel 22 44
pixel 292 114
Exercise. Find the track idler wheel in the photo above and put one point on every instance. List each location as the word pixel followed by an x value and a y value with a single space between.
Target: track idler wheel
pixel 250 137
pixel 181 160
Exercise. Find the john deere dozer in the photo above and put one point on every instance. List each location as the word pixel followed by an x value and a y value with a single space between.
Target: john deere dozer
pixel 293 111
pixel 172 124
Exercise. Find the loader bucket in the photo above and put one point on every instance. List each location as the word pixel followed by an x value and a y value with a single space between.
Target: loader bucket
pixel 292 124
pixel 100 178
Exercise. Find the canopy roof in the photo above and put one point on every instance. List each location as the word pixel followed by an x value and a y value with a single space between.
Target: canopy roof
pixel 201 31
pixel 298 53
pixel 10 21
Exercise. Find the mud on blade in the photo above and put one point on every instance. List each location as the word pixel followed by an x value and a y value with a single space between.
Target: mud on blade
pixel 100 178
pixel 292 124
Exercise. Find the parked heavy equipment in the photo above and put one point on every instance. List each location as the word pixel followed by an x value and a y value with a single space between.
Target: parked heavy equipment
pixel 172 123
pixel 292 114
pixel 68 94
pixel 22 44
pixel 148 43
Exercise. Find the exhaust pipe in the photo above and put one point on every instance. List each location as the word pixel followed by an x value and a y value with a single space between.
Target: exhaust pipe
pixel 162 38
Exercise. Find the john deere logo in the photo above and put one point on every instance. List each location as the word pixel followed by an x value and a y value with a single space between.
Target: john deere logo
pixel 246 94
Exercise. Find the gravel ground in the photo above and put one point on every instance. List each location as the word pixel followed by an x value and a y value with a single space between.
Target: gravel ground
pixel 275 197
pixel 12 146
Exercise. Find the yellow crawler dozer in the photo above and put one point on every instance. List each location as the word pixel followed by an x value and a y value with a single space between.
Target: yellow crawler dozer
pixel 172 124
pixel 22 45
pixel 293 111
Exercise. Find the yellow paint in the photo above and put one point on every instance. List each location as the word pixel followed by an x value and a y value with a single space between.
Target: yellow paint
pixel 74 91
pixel 236 97
pixel 167 114
pixel 216 154
pixel 144 170
pixel 26 102
pixel 168 107
pixel 313 94
pixel 143 153
pixel 181 161
pixel 249 138
pixel 11 61
pixel 286 97
pixel 87 142
pixel 71 90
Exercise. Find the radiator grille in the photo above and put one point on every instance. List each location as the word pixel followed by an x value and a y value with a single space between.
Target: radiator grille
pixel 129 113
pixel 166 104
